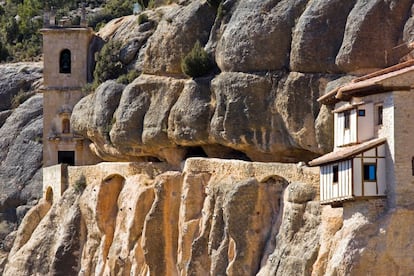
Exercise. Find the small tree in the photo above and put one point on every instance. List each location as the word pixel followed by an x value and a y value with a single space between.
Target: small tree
pixel 214 3
pixel 108 65
pixel 4 53
pixel 197 62
pixel 11 30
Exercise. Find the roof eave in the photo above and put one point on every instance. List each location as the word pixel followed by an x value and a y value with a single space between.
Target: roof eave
pixel 347 155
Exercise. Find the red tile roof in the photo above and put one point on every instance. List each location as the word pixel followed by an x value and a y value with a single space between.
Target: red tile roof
pixel 373 83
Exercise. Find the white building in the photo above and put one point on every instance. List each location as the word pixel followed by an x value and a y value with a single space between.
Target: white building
pixel 373 152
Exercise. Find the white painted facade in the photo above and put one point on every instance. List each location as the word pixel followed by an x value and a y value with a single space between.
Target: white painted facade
pixel 373 152
pixel 336 190
pixel 378 135
pixel 364 123
pixel 350 181
pixel 360 126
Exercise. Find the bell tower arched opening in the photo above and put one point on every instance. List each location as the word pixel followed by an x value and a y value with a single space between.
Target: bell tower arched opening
pixel 65 63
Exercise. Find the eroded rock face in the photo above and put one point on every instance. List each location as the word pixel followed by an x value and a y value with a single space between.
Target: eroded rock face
pixel 175 36
pixel 20 161
pixel 20 146
pixel 206 219
pixel 298 238
pixel 253 116
pixel 214 217
pixel 15 78
pixel 318 36
pixel 54 237
pixel 360 49
pixel 274 59
pixel 258 36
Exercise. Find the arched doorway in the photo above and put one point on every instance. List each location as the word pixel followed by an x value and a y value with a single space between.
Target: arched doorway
pixel 49 195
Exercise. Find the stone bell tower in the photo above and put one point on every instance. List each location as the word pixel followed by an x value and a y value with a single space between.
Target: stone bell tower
pixel 65 72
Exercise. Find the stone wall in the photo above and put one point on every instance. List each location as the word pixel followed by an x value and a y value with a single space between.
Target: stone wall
pixel 55 177
pixel 58 105
pixel 404 150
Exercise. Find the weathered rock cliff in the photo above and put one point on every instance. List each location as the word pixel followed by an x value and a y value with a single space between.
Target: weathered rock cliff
pixel 218 217
pixel 214 217
pixel 20 142
pixel 273 58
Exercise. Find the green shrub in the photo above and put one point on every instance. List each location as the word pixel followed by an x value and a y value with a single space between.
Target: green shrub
pixel 80 184
pixel 142 18
pixel 108 65
pixel 100 19
pixel 151 4
pixel 220 11
pixel 128 78
pixel 4 53
pixel 89 87
pixel 20 98
pixel 197 62
pixel 76 20
pixel 214 3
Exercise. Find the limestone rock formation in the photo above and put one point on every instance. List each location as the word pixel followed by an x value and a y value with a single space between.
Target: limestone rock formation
pixel 155 117
pixel 175 36
pixel 274 59
pixel 318 36
pixel 214 217
pixel 15 78
pixel 258 35
pixel 20 143
pixel 386 20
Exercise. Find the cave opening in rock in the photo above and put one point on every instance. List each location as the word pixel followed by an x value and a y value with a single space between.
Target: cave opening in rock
pixel 195 152
pixel 239 155
pixel 219 151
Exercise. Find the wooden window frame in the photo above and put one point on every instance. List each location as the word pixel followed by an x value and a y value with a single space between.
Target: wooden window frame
pixel 335 173
pixel 361 112
pixel 347 119
pixel 364 175
pixel 379 109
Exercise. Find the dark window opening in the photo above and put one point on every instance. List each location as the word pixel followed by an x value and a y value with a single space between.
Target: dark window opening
pixel 379 115
pixel 335 170
pixel 66 157
pixel 65 126
pixel 412 166
pixel 347 115
pixel 370 172
pixel 361 112
pixel 65 62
